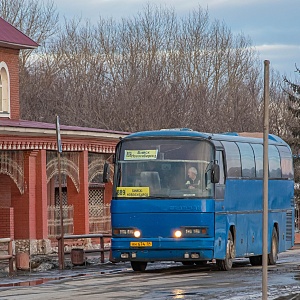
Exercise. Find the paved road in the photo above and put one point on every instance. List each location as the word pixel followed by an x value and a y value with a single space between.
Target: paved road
pixel 171 281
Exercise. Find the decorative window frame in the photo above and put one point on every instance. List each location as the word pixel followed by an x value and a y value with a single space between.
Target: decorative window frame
pixel 5 100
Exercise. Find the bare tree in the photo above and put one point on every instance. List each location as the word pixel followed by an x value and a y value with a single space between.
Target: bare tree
pixel 37 19
pixel 280 115
pixel 148 72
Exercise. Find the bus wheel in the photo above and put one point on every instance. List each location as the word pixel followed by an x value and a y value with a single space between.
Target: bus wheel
pixel 226 264
pixel 256 260
pixel 138 265
pixel 274 248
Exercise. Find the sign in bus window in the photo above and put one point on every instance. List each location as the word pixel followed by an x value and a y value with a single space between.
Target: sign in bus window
pixel 132 192
pixel 140 154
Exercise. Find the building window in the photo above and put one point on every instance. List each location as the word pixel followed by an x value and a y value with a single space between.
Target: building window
pixel 4 91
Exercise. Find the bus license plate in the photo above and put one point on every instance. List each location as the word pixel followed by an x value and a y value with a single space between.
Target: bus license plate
pixel 140 244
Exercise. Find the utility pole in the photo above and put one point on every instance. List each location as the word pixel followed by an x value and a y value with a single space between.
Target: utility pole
pixel 265 180
pixel 61 253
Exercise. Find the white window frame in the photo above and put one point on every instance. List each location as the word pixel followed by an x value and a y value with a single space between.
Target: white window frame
pixel 5 82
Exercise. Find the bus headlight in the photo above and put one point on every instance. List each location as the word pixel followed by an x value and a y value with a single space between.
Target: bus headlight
pixel 177 234
pixel 137 233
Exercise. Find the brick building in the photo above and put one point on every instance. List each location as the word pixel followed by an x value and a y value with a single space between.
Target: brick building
pixel 29 196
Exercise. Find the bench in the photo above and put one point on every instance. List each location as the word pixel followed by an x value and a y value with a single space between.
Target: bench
pixel 9 255
pixel 61 251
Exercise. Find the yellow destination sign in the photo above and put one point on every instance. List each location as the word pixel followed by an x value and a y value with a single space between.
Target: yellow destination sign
pixel 140 154
pixel 133 192
pixel 140 244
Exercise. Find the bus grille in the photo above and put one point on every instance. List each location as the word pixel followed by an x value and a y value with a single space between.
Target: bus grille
pixel 289 225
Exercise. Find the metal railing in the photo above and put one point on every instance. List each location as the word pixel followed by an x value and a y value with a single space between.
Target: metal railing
pixel 9 255
pixel 102 249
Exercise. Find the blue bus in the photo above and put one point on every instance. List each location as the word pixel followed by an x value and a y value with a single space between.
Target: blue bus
pixel 191 197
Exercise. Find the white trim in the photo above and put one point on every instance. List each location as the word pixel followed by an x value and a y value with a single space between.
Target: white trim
pixel 5 90
pixel 17 46
pixel 29 131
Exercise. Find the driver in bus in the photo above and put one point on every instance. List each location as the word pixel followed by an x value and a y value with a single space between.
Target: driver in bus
pixel 193 180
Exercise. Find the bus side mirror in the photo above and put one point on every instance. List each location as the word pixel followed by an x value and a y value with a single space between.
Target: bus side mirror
pixel 106 172
pixel 215 173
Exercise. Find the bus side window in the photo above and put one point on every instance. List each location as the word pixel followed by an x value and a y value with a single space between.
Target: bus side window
pixel 286 162
pixel 258 157
pixel 233 160
pixel 221 164
pixel 274 162
pixel 247 160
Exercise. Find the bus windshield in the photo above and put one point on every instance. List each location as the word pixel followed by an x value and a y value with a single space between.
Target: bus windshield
pixel 156 168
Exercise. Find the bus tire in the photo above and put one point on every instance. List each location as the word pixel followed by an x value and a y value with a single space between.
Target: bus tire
pixel 226 264
pixel 138 266
pixel 256 260
pixel 272 257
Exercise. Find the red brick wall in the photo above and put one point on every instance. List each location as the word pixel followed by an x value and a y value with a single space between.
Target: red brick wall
pixel 41 196
pixel 11 58
pixel 80 200
pixel 7 222
pixel 5 190
pixel 25 205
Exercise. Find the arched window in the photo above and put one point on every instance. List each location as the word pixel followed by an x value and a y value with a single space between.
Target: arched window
pixel 4 91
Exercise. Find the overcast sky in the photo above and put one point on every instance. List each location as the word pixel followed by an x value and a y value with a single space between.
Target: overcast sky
pixel 272 25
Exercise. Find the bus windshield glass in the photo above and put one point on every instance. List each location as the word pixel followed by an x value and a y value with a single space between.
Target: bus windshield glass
pixel 169 168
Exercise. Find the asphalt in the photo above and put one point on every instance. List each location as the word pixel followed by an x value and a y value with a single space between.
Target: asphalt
pixel 46 269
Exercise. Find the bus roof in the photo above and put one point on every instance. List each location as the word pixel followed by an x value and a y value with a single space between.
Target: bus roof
pixel 250 137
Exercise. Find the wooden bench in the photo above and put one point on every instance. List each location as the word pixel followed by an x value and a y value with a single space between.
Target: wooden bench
pixel 61 251
pixel 9 255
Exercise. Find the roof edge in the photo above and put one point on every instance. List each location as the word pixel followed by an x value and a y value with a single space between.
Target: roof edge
pixel 5 44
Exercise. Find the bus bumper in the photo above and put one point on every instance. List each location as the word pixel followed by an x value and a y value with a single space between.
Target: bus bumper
pixel 171 250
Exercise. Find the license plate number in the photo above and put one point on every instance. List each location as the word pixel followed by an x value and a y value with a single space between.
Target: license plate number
pixel 140 244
